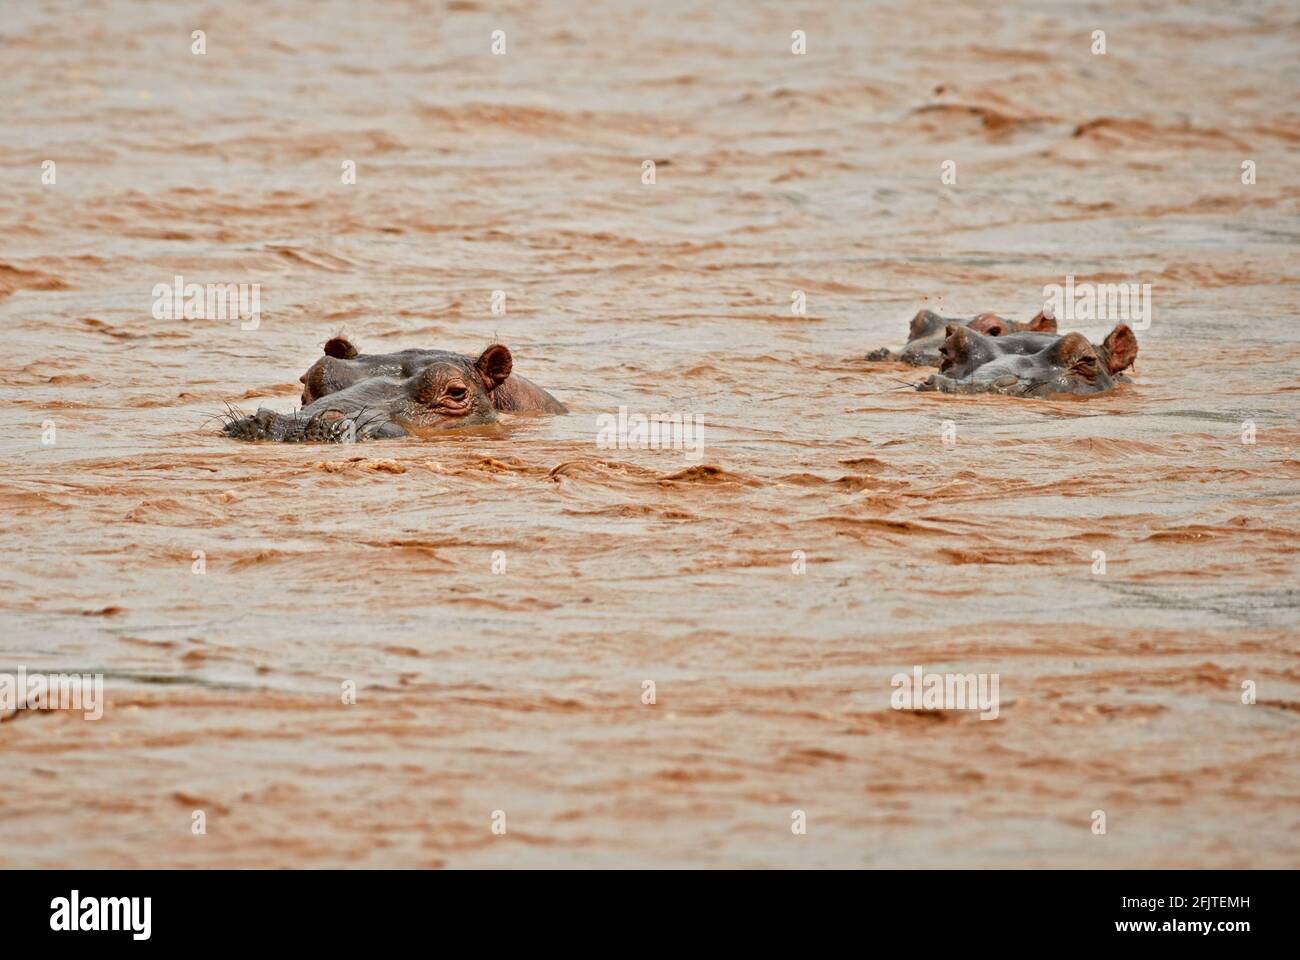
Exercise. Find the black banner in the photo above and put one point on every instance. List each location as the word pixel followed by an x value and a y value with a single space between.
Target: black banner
pixel 943 909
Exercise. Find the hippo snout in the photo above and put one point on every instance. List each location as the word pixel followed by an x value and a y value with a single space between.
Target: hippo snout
pixel 262 425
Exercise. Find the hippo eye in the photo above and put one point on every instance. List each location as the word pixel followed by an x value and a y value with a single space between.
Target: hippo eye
pixel 457 391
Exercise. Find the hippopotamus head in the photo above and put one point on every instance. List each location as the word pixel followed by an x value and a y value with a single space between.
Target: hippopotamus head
pixel 445 394
pixel 343 365
pixel 1069 365
pixel 964 349
pixel 991 325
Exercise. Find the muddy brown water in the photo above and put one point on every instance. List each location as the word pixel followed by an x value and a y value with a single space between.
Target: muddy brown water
pixel 521 691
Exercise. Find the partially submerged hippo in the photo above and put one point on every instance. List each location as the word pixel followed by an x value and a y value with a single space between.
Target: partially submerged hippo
pixel 928 330
pixel 444 391
pixel 992 325
pixel 1066 365
pixel 964 349
pixel 342 366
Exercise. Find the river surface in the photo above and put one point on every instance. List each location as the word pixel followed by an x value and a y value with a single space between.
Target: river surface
pixel 500 599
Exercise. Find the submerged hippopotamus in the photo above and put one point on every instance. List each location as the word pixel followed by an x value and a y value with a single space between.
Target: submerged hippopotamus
pixel 342 366
pixel 928 331
pixel 990 324
pixel 964 349
pixel 411 392
pixel 1070 364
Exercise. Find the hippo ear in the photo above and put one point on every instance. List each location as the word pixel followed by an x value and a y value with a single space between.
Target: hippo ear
pixel 955 349
pixel 494 365
pixel 340 348
pixel 1121 347
pixel 989 324
pixel 1043 322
